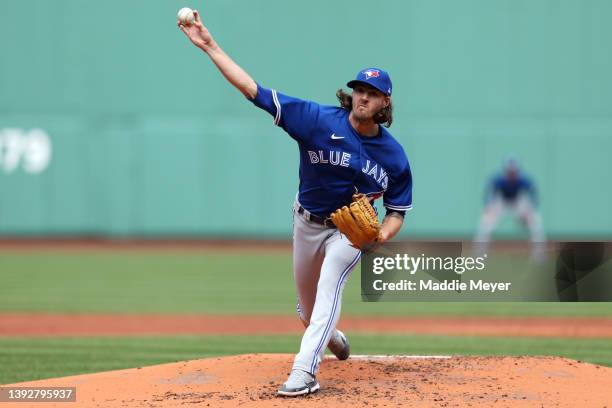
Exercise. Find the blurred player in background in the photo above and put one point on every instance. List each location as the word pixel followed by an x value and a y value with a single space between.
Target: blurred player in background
pixel 511 192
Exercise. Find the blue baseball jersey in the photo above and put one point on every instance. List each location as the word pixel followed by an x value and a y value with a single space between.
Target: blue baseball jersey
pixel 510 188
pixel 335 159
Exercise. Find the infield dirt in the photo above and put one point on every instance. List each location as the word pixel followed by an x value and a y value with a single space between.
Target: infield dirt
pixel 252 380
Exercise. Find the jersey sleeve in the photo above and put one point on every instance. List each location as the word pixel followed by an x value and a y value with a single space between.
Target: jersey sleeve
pixel 296 116
pixel 398 196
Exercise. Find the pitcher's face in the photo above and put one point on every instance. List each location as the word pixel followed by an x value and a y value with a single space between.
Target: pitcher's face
pixel 367 102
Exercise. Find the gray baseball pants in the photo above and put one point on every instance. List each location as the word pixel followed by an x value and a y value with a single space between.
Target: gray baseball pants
pixel 322 263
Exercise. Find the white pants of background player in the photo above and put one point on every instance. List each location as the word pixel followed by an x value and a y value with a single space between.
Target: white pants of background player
pixel 322 263
pixel 523 210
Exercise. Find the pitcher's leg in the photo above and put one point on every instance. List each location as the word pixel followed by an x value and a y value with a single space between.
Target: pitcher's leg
pixel 340 259
pixel 308 250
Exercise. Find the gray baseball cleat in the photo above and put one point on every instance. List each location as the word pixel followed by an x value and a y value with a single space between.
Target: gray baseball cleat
pixel 339 345
pixel 299 383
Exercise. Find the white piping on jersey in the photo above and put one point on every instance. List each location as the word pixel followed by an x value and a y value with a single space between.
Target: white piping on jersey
pixel 375 192
pixel 278 108
pixel 399 208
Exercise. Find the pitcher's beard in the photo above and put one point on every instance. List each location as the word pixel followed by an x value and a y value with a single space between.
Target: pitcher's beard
pixel 362 117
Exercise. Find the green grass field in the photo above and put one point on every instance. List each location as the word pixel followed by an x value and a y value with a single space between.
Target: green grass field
pixel 24 359
pixel 190 282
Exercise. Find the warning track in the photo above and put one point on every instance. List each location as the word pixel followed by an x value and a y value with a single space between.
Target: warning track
pixel 28 324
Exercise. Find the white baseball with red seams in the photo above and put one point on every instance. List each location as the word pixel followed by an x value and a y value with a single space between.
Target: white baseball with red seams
pixel 185 16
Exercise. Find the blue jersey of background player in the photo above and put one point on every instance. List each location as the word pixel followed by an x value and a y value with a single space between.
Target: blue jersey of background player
pixel 335 159
pixel 511 193
pixel 510 185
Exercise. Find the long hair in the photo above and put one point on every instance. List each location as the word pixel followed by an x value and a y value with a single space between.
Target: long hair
pixel 384 117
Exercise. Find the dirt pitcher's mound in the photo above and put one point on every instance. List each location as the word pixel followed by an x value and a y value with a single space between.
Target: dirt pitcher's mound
pixel 252 380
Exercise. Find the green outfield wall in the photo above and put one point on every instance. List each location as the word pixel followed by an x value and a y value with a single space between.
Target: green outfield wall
pixel 111 123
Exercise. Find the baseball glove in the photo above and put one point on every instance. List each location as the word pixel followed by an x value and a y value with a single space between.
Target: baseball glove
pixel 358 222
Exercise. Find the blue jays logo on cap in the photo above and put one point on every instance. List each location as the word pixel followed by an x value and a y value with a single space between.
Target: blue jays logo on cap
pixel 372 73
pixel 374 77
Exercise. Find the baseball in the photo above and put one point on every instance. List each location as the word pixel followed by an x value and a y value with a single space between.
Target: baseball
pixel 185 16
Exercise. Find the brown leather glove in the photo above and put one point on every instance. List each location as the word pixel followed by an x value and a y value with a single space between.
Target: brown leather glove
pixel 358 222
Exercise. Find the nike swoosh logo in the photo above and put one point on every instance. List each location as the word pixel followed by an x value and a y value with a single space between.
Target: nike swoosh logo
pixel 333 136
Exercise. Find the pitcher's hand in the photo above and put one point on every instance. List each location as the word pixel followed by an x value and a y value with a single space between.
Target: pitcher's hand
pixel 197 33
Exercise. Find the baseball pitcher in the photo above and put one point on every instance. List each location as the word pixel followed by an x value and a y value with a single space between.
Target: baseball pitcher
pixel 347 160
